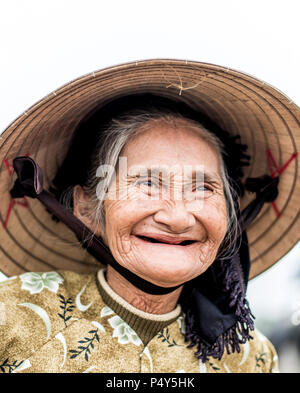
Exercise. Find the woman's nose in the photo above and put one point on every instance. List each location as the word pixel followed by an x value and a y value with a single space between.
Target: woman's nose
pixel 175 216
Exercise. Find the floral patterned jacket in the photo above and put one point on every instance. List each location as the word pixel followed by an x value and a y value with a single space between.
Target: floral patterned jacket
pixel 58 322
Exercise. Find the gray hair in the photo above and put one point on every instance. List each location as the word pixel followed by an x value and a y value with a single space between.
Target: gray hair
pixel 115 136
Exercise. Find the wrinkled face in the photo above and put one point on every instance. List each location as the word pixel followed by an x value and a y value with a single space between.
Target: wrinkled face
pixel 167 229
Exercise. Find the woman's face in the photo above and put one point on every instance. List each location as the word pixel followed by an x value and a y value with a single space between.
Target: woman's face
pixel 147 215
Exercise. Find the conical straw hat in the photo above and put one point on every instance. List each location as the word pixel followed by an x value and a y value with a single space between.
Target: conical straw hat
pixel 266 120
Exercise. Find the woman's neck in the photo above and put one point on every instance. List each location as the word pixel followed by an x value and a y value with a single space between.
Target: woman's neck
pixel 153 304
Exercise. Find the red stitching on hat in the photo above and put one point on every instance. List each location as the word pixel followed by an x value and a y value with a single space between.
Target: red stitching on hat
pixel 8 166
pixel 23 202
pixel 278 171
pixel 8 212
pixel 11 204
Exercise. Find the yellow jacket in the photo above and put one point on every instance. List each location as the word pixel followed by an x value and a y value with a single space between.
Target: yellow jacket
pixel 68 322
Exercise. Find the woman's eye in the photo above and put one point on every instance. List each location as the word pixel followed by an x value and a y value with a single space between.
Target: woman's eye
pixel 203 187
pixel 148 183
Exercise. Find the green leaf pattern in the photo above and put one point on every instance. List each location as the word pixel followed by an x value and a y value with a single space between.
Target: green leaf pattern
pixel 9 367
pixel 164 335
pixel 87 344
pixel 260 359
pixel 36 282
pixel 67 307
pixel 123 332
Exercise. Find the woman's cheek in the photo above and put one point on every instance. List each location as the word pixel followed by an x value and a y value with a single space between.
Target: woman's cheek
pixel 213 217
pixel 119 223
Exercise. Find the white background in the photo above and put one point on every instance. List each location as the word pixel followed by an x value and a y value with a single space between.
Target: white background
pixel 47 43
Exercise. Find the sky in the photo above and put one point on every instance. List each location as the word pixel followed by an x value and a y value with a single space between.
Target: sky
pixel 45 44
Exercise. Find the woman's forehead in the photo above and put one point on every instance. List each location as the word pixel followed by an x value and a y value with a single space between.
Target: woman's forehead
pixel 162 146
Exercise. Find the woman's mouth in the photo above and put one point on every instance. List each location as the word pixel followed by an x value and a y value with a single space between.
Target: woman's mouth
pixel 164 242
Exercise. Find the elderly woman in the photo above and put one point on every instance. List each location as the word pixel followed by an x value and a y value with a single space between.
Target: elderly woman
pixel 151 187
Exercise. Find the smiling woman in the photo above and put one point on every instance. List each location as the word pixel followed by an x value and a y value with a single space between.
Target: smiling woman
pixel 164 148
pixel 164 219
pixel 156 186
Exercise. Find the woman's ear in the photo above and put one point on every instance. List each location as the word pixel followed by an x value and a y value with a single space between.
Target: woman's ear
pixel 82 210
pixel 80 202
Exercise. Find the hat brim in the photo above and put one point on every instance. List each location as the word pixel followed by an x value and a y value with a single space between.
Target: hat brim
pixel 267 121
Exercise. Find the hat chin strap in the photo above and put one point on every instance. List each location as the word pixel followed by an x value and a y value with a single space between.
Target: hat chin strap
pixel 29 182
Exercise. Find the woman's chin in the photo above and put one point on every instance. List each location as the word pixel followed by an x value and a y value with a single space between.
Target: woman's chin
pixel 169 275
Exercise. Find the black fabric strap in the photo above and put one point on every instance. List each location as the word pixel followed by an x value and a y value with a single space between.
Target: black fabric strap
pixel 266 189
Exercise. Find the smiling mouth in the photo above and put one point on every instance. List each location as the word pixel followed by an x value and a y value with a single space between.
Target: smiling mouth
pixel 151 240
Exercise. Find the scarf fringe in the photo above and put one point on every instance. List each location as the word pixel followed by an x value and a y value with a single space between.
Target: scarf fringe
pixel 238 334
